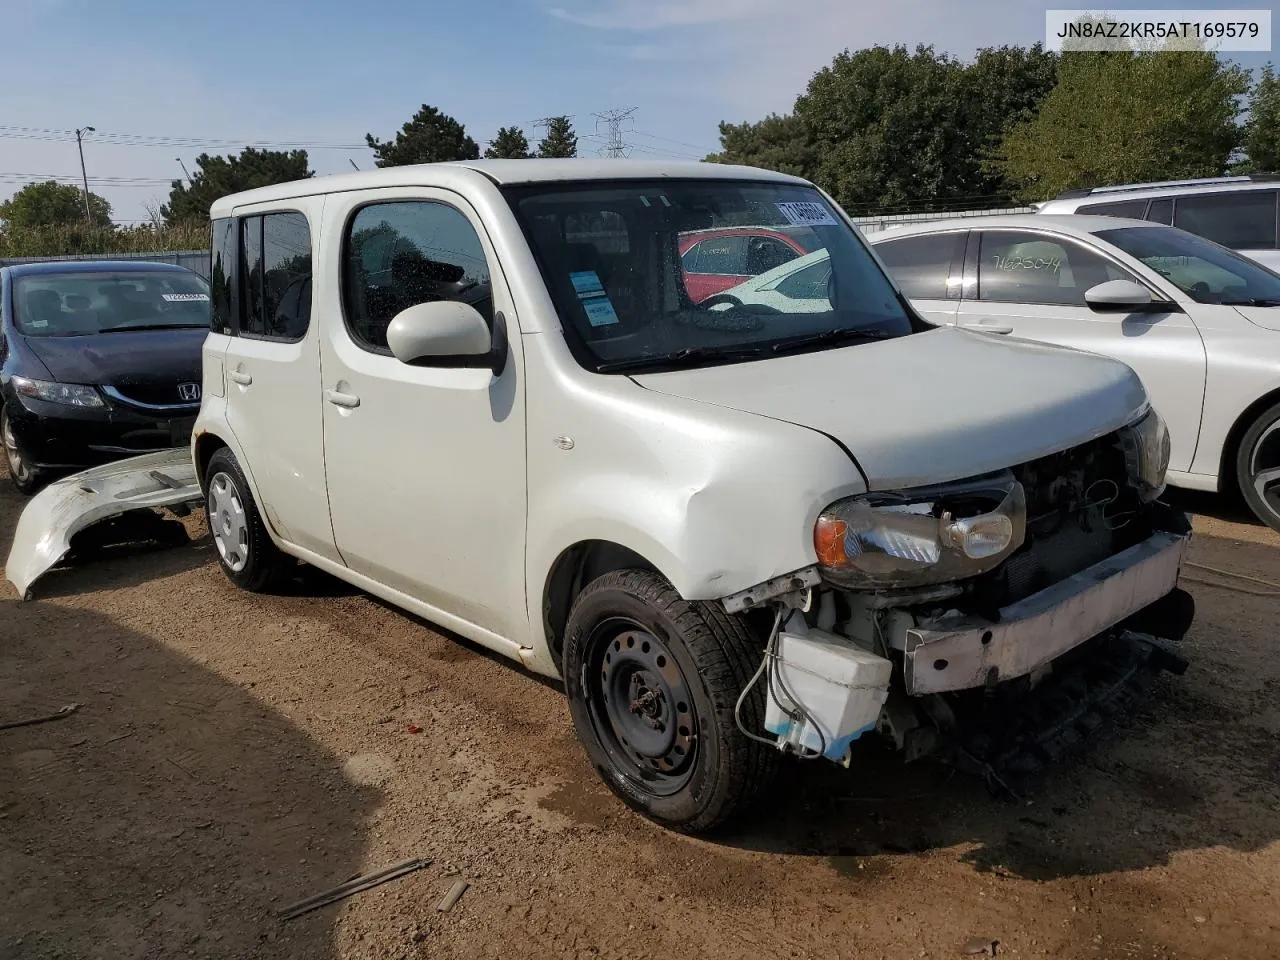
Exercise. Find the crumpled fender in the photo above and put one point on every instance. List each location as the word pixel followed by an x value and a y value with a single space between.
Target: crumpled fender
pixel 64 508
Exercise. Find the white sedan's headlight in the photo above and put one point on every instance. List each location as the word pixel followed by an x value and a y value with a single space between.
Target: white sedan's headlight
pixel 921 537
pixel 1146 452
pixel 72 394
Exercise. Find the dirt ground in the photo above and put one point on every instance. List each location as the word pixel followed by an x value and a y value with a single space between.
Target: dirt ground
pixel 234 754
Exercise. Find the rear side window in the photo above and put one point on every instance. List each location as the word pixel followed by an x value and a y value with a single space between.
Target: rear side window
pixel 222 253
pixel 1161 211
pixel 406 252
pixel 276 289
pixel 1133 209
pixel 1244 220
pixel 921 265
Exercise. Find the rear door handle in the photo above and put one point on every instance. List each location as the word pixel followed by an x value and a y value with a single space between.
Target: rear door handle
pixel 987 327
pixel 240 377
pixel 339 399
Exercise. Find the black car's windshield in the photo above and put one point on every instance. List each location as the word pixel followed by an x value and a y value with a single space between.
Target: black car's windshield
pixel 669 273
pixel 77 304
pixel 1203 270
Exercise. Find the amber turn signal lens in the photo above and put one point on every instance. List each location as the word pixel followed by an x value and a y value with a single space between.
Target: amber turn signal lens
pixel 828 540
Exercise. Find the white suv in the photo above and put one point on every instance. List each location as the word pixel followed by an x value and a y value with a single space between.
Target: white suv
pixel 483 392
pixel 1241 213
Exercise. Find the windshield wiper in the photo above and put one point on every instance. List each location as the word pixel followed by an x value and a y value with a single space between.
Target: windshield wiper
pixel 1251 302
pixel 133 328
pixel 688 357
pixel 828 337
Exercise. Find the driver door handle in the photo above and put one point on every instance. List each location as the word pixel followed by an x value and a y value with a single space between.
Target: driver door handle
pixel 240 377
pixel 987 327
pixel 339 399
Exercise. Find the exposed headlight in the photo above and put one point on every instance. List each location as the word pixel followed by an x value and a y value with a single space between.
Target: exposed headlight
pixel 72 394
pixel 922 537
pixel 1146 451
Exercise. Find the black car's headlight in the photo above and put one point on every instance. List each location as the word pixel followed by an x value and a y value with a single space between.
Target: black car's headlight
pixel 1146 453
pixel 72 394
pixel 921 537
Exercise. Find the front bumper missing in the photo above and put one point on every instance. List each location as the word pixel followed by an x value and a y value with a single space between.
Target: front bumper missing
pixel 964 652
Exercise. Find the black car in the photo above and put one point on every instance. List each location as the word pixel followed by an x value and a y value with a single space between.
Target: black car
pixel 99 360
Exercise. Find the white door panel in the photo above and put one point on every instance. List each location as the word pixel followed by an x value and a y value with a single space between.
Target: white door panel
pixel 273 397
pixel 425 465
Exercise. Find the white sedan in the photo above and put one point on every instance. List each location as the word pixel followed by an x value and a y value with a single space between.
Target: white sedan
pixel 1199 323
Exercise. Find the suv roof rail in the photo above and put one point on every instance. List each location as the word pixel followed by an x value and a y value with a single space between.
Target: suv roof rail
pixel 1199 182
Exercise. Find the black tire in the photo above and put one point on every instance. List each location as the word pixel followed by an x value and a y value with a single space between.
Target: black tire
pixel 28 480
pixel 692 776
pixel 245 550
pixel 1258 456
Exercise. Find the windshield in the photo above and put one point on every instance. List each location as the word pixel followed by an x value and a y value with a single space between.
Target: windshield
pixel 668 273
pixel 1200 268
pixel 77 304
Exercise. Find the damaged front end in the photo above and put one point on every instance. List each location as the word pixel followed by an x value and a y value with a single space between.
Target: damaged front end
pixel 996 621
pixel 135 488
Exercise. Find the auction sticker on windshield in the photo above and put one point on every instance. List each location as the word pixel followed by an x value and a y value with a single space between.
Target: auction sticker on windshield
pixel 806 213
pixel 184 297
pixel 596 303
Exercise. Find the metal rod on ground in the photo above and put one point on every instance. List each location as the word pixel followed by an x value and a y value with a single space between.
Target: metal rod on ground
pixel 352 886
pixel 453 896
pixel 66 711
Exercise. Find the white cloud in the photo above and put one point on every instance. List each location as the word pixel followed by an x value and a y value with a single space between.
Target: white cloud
pixel 640 15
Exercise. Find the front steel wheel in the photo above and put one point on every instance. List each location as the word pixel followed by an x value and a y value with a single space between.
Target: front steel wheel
pixel 652 681
pixel 1258 467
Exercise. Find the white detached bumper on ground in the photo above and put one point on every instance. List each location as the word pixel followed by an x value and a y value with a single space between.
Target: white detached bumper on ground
pixel 60 511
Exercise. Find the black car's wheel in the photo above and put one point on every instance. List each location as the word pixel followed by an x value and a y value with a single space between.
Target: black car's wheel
pixel 653 681
pixel 22 474
pixel 245 551
pixel 1258 467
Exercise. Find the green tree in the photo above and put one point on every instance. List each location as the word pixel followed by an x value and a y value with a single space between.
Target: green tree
pixel 778 142
pixel 428 137
pixel 560 141
pixel 1262 131
pixel 216 177
pixel 1124 117
pixel 51 204
pixel 509 143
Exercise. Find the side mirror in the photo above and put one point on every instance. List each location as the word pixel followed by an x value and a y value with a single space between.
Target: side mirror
pixel 446 333
pixel 1122 296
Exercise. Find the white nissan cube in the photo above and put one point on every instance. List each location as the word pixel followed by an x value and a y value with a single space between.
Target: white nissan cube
pixel 742 534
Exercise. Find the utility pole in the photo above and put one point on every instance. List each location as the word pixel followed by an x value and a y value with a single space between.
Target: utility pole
pixel 613 120
pixel 84 177
pixel 184 170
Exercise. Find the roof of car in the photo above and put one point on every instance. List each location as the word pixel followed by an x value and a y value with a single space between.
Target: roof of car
pixel 90 266
pixel 502 172
pixel 1072 199
pixel 1059 223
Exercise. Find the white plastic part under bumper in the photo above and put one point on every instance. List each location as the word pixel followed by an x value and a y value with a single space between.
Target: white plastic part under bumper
pixel 964 652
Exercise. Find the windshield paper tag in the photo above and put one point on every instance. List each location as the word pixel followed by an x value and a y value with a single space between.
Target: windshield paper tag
pixel 807 213
pixel 185 297
pixel 595 301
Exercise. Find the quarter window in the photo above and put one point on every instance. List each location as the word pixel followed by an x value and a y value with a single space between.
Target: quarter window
pixel 276 290
pixel 725 256
pixel 1016 267
pixel 402 253
pixel 921 265
pixel 1161 211
pixel 1244 220
pixel 222 256
pixel 1132 209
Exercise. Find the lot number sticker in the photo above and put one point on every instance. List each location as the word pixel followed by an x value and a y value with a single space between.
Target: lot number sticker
pixel 807 213
pixel 185 297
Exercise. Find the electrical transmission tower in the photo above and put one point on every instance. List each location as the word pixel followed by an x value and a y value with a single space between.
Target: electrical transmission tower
pixel 614 145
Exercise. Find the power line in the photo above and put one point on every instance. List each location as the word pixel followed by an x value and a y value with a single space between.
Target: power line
pixel 11 132
pixel 679 143
pixel 613 120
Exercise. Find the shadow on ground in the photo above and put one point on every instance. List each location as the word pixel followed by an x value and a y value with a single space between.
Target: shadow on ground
pixel 170 816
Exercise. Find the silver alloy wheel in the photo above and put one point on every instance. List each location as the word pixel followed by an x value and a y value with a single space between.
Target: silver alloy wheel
pixel 1264 468
pixel 18 468
pixel 228 523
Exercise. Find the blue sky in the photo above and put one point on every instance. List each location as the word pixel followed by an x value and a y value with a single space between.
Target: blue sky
pixel 327 72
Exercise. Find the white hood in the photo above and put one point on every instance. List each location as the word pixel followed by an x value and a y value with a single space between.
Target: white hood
pixel 932 407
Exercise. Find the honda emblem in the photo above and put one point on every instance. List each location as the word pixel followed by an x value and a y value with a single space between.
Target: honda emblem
pixel 189 391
